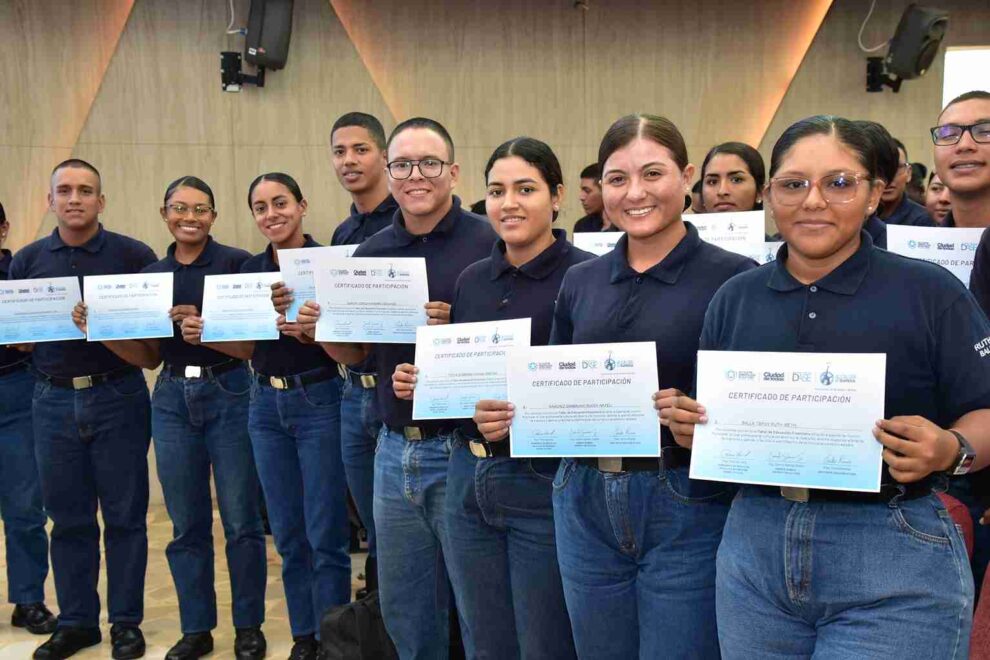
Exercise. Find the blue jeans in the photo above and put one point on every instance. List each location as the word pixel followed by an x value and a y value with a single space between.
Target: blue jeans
pixel 20 494
pixel 637 558
pixel 410 485
pixel 296 438
pixel 503 559
pixel 842 580
pixel 359 427
pixel 199 424
pixel 92 449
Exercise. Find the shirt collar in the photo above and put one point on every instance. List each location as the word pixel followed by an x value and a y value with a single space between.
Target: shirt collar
pixel 270 250
pixel 875 226
pixel 844 280
pixel 667 271
pixel 204 259
pixel 445 226
pixel 93 245
pixel 539 267
pixel 388 205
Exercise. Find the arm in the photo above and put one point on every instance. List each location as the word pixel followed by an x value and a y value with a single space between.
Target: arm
pixel 192 333
pixel 142 353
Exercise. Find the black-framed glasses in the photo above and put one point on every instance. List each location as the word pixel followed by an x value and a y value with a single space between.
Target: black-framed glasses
pixel 947 135
pixel 199 211
pixel 839 188
pixel 430 168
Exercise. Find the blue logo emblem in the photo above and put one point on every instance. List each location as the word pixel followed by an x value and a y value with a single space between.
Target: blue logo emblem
pixel 496 338
pixel 826 378
pixel 730 374
pixel 391 271
pixel 609 362
pixel 532 366
pixel 912 244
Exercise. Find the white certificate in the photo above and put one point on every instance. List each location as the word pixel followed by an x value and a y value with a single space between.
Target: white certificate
pixel 790 419
pixel 298 265
pixel 584 400
pixel 461 364
pixel 953 248
pixel 370 299
pixel 597 242
pixel 38 310
pixel 740 232
pixel 238 307
pixel 128 306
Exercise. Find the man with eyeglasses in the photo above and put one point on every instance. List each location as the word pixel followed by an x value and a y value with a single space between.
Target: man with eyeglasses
pixel 895 206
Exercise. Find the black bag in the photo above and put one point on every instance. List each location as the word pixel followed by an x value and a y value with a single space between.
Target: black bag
pixel 356 631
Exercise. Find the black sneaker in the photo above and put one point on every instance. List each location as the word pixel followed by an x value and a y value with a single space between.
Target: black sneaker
pixel 66 642
pixel 127 641
pixel 35 618
pixel 305 648
pixel 249 644
pixel 191 647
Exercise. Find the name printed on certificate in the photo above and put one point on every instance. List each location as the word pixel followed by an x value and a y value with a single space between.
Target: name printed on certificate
pixel 297 266
pixel 238 307
pixel 463 363
pixel 584 400
pixel 953 248
pixel 38 310
pixel 128 306
pixel 790 419
pixel 371 299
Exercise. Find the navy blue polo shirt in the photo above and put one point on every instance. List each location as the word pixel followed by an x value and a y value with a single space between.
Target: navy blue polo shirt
pixel 910 213
pixel 187 289
pixel 285 356
pixel 9 355
pixel 360 226
pixel 458 240
pixel 605 300
pixel 877 229
pixel 979 279
pixel 107 253
pixel 936 339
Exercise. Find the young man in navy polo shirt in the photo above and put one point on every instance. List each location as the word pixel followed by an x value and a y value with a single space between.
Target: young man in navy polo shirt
pixel 411 460
pixel 357 146
pixel 895 206
pixel 92 430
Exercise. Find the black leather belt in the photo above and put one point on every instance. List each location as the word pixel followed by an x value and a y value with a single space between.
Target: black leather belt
pixel 86 382
pixel 367 381
pixel 415 432
pixel 192 371
pixel 297 380
pixel 16 366
pixel 886 494
pixel 672 457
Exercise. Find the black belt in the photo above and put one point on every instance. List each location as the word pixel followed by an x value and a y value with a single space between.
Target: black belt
pixel 17 366
pixel 886 494
pixel 297 380
pixel 671 457
pixel 192 371
pixel 367 381
pixel 415 432
pixel 86 382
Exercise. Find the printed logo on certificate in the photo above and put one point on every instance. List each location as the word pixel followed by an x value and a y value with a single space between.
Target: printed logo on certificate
pixel 297 266
pixel 790 419
pixel 953 248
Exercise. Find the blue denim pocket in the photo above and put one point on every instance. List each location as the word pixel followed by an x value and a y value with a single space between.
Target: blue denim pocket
pixel 236 382
pixel 129 385
pixel 324 394
pixel 564 473
pixel 695 491
pixel 41 389
pixel 544 468
pixel 923 520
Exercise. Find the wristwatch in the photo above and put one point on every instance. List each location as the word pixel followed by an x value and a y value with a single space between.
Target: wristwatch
pixel 965 458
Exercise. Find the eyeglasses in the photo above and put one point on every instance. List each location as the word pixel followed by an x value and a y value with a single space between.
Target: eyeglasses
pixel 948 134
pixel 430 168
pixel 835 188
pixel 181 210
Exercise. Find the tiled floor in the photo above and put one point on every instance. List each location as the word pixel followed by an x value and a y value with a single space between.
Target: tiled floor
pixel 161 622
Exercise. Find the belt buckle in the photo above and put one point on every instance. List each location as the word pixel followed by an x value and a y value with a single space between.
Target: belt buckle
pixel 82 382
pixel 278 382
pixel 412 433
pixel 610 464
pixel 480 449
pixel 342 370
pixel 194 372
pixel 795 494
pixel 368 381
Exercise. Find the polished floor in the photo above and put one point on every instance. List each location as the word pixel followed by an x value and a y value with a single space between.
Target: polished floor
pixel 161 624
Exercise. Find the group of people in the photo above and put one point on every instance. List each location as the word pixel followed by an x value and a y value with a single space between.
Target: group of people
pixel 541 558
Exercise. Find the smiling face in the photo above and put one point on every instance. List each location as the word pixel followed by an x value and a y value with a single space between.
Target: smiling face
pixel 728 185
pixel 189 215
pixel 277 212
pixel 590 196
pixel 814 228
pixel 937 199
pixel 75 198
pixel 518 202
pixel 643 188
pixel 419 197
pixel 358 162
pixel 965 166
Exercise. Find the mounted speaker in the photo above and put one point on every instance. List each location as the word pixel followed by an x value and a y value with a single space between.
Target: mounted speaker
pixel 269 29
pixel 916 41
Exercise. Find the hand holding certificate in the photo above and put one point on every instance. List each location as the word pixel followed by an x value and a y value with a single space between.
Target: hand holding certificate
pixel 790 419
pixel 238 307
pixel 38 310
pixel 128 306
pixel 298 266
pixel 584 400
pixel 462 364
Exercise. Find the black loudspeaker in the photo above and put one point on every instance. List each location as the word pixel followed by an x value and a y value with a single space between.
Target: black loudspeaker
pixel 916 41
pixel 269 29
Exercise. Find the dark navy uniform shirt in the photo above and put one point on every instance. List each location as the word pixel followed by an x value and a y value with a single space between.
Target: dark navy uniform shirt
pixel 605 300
pixel 285 356
pixel 911 213
pixel 494 290
pixel 9 355
pixel 591 223
pixel 358 227
pixel 877 229
pixel 979 279
pixel 187 289
pixel 936 339
pixel 458 240
pixel 107 253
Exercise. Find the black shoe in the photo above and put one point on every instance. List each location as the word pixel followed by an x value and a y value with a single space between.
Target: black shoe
pixel 249 644
pixel 127 640
pixel 67 642
pixel 35 617
pixel 305 648
pixel 191 647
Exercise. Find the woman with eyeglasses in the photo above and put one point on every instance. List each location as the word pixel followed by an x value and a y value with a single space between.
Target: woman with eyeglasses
pixel 837 574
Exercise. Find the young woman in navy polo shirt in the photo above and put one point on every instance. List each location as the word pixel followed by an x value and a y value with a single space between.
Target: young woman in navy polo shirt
pixel 500 548
pixel 732 177
pixel 839 574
